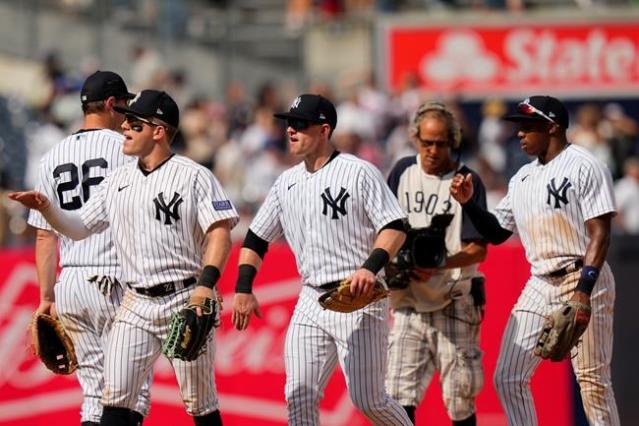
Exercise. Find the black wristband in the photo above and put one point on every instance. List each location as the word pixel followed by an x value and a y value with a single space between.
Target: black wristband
pixel 377 260
pixel 209 276
pixel 587 280
pixel 245 276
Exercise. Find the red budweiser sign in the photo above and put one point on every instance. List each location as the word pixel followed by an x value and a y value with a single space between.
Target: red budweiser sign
pixel 575 59
pixel 249 365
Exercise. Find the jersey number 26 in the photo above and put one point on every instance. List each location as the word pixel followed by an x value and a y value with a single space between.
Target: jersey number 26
pixel 70 185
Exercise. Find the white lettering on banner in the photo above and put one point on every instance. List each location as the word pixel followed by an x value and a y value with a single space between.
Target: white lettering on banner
pixel 542 55
pixel 549 56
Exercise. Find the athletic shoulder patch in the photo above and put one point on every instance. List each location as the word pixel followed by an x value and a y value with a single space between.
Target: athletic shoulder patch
pixel 222 205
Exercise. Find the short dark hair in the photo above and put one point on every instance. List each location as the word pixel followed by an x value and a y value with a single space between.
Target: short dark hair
pixel 93 107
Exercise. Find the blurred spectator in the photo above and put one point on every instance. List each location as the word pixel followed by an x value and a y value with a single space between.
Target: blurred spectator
pixel 146 65
pixel 621 132
pixel 493 132
pixel 238 109
pixel 627 195
pixel 586 131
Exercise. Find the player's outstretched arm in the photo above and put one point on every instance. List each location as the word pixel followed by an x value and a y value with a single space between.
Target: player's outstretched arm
pixel 65 222
pixel 461 189
pixel 216 253
pixel 386 246
pixel 245 303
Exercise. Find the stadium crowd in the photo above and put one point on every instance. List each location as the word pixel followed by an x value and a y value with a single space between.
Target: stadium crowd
pixel 238 138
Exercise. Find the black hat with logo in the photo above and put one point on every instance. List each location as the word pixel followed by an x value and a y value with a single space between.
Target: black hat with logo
pixel 103 84
pixel 541 108
pixel 153 104
pixel 312 108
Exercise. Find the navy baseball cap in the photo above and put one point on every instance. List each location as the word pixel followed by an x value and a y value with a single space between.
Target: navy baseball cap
pixel 312 108
pixel 103 84
pixel 541 108
pixel 153 104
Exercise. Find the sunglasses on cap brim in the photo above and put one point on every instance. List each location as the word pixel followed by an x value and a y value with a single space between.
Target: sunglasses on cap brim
pixel 527 109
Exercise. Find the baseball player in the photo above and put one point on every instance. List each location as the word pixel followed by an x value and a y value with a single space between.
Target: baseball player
pixel 341 220
pixel 561 205
pixel 89 289
pixel 171 222
pixel 437 315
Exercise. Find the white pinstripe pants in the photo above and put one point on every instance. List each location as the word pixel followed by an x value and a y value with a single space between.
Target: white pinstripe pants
pixel 317 339
pixel 140 327
pixel 447 341
pixel 87 316
pixel 591 358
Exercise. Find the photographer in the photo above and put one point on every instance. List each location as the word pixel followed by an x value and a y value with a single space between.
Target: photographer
pixel 437 294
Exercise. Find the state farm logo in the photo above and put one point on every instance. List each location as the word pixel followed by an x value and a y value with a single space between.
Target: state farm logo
pixel 461 55
pixel 249 365
pixel 508 57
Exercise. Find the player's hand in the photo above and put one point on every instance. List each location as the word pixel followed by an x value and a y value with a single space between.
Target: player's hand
pixel 582 317
pixel 422 274
pixel 461 188
pixel 244 305
pixel 362 282
pixel 46 307
pixel 202 291
pixel 32 199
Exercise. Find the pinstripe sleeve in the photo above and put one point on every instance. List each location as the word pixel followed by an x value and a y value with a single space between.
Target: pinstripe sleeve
pixel 266 224
pixel 35 217
pixel 504 210
pixel 213 205
pixel 595 190
pixel 94 214
pixel 380 203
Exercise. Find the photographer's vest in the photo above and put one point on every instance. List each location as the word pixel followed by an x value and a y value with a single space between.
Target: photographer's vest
pixel 423 196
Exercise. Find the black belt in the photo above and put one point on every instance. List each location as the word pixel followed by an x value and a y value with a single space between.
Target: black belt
pixel 567 269
pixel 164 289
pixel 329 286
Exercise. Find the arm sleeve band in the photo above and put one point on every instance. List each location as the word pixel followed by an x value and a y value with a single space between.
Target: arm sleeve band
pixel 486 223
pixel 588 279
pixel 255 243
pixel 245 276
pixel 209 276
pixel 397 225
pixel 377 260
pixel 66 222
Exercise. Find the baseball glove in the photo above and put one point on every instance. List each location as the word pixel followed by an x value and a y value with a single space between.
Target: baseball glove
pixel 188 333
pixel 52 344
pixel 340 299
pixel 561 331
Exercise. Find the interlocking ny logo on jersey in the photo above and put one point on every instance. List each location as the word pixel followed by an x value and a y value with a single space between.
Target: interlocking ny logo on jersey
pixel 559 194
pixel 170 210
pixel 337 204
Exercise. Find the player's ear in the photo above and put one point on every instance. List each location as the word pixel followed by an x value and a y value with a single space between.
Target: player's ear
pixel 110 102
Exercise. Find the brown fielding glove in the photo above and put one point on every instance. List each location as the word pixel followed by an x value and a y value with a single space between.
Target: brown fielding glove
pixel 52 344
pixel 561 332
pixel 340 299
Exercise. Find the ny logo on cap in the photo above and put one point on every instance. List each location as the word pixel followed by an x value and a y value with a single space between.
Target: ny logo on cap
pixel 296 102
pixel 159 111
pixel 134 100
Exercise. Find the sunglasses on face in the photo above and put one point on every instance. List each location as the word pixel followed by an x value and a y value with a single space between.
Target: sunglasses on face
pixel 137 123
pixel 528 109
pixel 297 124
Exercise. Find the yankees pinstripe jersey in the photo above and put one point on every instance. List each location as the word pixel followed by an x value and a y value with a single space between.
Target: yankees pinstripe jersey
pixel 330 217
pixel 167 210
pixel 69 174
pixel 422 196
pixel 548 204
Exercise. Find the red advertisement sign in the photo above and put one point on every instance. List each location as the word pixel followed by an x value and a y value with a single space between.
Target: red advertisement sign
pixel 249 365
pixel 477 60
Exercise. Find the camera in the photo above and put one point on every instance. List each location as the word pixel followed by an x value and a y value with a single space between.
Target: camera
pixel 423 248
